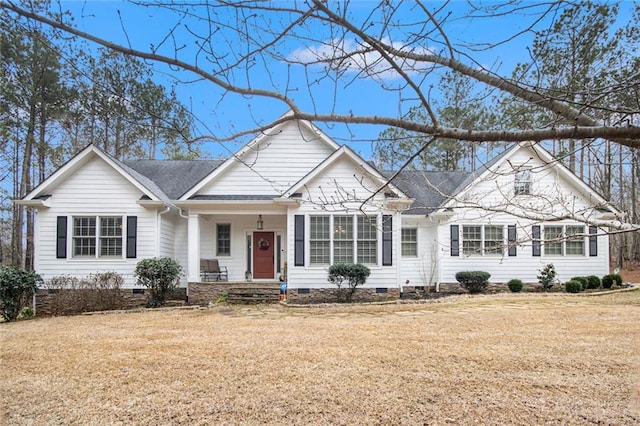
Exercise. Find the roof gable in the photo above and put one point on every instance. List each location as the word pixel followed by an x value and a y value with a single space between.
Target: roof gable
pixel 269 161
pixel 345 152
pixel 496 168
pixel 143 184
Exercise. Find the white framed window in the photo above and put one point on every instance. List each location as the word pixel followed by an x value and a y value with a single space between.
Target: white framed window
pixel 367 240
pixel 409 242
pixel 91 240
pixel 343 239
pixel 319 240
pixel 471 240
pixel 522 184
pixel 553 241
pixel 223 239
pixel 482 240
pixel 493 239
pixel 564 240
pixel 574 246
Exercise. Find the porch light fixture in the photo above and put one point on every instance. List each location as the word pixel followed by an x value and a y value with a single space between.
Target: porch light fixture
pixel 260 223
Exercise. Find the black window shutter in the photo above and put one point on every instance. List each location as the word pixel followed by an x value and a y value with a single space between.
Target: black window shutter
pixel 593 241
pixel 132 236
pixel 512 237
pixel 61 237
pixel 298 231
pixel 455 240
pixel 535 243
pixel 387 245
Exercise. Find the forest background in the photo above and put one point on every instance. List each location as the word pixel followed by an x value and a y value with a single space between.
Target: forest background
pixel 433 86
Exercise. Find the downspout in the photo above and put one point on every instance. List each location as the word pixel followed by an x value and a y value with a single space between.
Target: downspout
pixel 187 290
pixel 437 252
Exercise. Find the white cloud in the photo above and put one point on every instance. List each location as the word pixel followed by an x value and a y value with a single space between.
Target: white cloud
pixel 347 55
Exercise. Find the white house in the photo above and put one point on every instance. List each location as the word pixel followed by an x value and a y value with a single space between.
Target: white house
pixel 292 201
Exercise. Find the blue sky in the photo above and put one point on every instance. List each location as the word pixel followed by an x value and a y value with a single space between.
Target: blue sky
pixel 223 115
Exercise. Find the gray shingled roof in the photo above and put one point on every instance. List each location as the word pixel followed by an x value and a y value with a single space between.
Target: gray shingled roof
pixel 429 189
pixel 174 177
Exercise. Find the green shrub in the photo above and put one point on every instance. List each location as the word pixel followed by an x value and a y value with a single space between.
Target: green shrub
pixel 26 313
pixel 515 285
pixel 222 298
pixel 547 276
pixel 583 281
pixel 573 286
pixel 17 286
pixel 593 282
pixel 610 280
pixel 473 281
pixel 160 275
pixel 354 274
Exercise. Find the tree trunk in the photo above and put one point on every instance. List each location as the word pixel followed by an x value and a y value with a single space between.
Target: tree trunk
pixel 25 185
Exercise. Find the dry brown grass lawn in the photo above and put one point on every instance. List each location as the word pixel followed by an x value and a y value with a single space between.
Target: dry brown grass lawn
pixel 506 359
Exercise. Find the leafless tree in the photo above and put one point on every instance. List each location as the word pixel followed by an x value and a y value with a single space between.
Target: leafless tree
pixel 315 57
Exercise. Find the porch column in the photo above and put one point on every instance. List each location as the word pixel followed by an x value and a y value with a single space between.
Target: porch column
pixel 193 250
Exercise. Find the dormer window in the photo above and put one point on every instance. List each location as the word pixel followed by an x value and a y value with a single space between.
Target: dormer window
pixel 523 182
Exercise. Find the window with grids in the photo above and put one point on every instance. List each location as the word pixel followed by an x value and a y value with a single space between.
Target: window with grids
pixel 493 239
pixel 110 238
pixel 472 240
pixel 319 240
pixel 410 242
pixel 367 240
pixel 522 183
pixel 574 246
pixel 343 239
pixel 84 236
pixel 89 239
pixel 553 240
pixel 223 239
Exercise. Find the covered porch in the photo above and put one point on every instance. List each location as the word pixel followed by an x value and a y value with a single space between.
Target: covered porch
pixel 248 240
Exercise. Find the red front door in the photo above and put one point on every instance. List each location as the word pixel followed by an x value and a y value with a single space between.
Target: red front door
pixel 263 255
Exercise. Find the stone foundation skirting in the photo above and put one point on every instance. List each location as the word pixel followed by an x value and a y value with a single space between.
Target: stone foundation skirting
pixel 330 295
pixel 66 302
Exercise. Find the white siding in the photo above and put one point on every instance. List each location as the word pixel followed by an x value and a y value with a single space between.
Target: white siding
pixel 167 235
pixel 341 189
pixel 273 165
pixel 95 189
pixel 421 270
pixel 524 265
pixel 554 200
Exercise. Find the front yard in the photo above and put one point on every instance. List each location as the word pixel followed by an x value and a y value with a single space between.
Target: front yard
pixel 495 359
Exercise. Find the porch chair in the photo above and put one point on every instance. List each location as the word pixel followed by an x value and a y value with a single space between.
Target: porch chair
pixel 210 270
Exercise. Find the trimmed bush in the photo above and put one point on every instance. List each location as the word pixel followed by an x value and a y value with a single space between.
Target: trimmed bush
pixel 160 275
pixel 547 276
pixel 473 281
pixel 573 286
pixel 582 280
pixel 17 285
pixel 610 280
pixel 515 285
pixel 593 282
pixel 97 292
pixel 353 274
